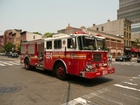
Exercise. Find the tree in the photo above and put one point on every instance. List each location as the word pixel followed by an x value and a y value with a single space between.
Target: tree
pixel 37 33
pixel 48 34
pixel 137 42
pixel 8 47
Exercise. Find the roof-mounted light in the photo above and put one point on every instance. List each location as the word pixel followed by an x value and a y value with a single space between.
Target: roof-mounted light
pixel 80 32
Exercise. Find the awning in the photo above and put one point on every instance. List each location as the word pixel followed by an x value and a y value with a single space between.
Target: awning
pixel 135 49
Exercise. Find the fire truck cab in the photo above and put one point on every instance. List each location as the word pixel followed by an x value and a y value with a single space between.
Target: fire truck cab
pixel 82 55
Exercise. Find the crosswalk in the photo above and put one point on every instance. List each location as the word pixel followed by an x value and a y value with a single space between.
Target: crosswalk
pixel 127 63
pixel 9 63
pixel 124 93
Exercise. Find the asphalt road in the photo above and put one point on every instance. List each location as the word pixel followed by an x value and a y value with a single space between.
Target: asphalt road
pixel 23 87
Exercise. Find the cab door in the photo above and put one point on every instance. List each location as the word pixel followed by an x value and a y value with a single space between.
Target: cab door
pixel 48 60
pixel 73 60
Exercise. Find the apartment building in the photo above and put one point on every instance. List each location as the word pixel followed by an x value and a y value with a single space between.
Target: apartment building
pixel 28 36
pixel 1 41
pixel 12 36
pixel 17 36
pixel 69 30
pixel 130 9
pixel 120 28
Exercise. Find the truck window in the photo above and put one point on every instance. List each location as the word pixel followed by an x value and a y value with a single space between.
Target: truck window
pixel 71 43
pixel 49 44
pixel 57 44
pixel 86 43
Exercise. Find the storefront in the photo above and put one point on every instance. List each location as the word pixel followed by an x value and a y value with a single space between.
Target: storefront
pixel 127 50
pixel 135 52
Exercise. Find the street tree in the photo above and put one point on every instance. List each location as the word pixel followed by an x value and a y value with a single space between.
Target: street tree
pixel 8 47
pixel 137 42
pixel 37 33
pixel 48 34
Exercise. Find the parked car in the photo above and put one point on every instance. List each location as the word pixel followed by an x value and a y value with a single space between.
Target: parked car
pixel 13 55
pixel 123 58
pixel 138 60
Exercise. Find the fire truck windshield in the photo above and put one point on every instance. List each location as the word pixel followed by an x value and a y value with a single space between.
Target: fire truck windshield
pixel 101 44
pixel 91 43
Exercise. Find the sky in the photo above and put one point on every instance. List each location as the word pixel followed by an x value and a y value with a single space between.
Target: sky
pixel 52 15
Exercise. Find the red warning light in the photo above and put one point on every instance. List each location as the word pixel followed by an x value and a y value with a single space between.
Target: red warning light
pixel 79 32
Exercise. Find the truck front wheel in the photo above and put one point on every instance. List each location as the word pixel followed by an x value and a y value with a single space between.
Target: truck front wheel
pixel 60 71
pixel 27 64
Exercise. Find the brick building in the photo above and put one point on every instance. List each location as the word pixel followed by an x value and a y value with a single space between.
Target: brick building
pixel 120 28
pixel 1 42
pixel 16 37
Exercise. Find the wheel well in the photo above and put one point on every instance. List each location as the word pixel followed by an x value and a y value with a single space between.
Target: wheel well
pixel 59 61
pixel 25 59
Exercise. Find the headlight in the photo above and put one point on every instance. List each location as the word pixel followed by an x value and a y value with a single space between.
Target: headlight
pixel 104 64
pixel 89 67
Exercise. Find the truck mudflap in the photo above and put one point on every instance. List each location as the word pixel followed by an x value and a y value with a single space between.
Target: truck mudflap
pixel 91 74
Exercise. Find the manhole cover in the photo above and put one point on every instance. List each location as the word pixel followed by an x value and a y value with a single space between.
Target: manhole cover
pixel 10 89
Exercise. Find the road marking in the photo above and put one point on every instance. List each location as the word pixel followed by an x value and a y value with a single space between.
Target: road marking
pixel 2 64
pixel 135 77
pixel 126 87
pixel 127 63
pixel 13 63
pixel 130 83
pixel 126 95
pixel 6 63
pixel 10 63
pixel 84 99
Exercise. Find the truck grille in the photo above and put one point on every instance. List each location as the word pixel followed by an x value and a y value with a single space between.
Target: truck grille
pixel 97 57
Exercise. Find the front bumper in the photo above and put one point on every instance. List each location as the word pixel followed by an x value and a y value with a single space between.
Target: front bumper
pixel 92 74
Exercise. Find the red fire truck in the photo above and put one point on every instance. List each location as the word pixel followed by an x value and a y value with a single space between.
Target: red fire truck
pixel 77 54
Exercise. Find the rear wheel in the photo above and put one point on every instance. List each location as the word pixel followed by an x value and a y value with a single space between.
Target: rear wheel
pixel 27 64
pixel 60 71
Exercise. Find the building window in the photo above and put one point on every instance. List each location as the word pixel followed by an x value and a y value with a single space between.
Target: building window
pixel 102 28
pixel 97 29
pixel 33 37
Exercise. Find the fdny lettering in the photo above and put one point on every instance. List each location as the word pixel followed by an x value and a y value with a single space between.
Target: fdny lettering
pixel 48 55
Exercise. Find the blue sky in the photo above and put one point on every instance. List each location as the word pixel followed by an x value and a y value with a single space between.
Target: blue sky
pixel 52 15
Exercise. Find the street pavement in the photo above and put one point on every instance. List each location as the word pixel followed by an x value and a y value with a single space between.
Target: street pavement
pixel 25 87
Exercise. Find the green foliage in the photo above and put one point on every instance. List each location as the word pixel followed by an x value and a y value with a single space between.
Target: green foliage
pixel 8 47
pixel 2 50
pixel 37 33
pixel 48 34
pixel 18 47
pixel 137 42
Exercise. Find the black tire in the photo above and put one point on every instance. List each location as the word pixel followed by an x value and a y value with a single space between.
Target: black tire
pixel 27 64
pixel 60 71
